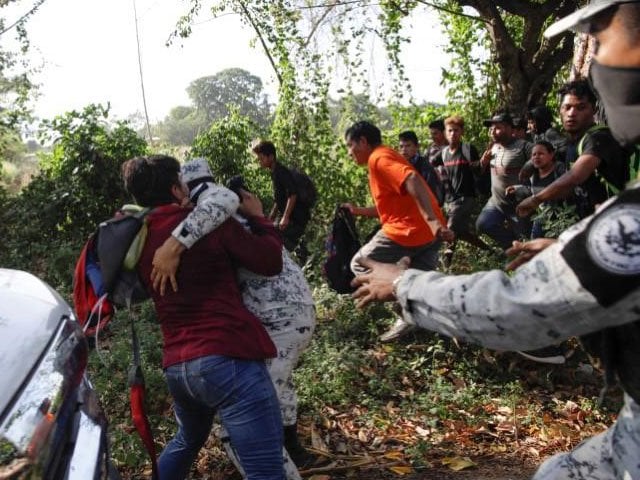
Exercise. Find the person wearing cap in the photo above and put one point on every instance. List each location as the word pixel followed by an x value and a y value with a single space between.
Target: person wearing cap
pixel 602 166
pixel 586 283
pixel 213 348
pixel 505 158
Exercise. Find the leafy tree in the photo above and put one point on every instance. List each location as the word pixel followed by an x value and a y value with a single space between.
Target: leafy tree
pixel 78 186
pixel 16 89
pixel 213 95
pixel 181 126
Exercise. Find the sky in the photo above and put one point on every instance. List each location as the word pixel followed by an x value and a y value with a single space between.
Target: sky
pixel 87 53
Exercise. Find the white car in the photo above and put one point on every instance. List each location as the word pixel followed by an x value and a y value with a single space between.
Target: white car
pixel 51 423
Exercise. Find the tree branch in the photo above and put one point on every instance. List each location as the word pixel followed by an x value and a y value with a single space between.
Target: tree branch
pixel 267 52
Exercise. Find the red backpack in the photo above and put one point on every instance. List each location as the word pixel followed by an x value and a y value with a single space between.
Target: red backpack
pixel 105 279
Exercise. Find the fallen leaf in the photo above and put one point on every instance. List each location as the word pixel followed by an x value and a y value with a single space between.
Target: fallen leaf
pixel 401 470
pixel 458 463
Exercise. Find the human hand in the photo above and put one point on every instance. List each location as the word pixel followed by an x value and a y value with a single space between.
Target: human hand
pixel 348 206
pixel 283 224
pixel 377 284
pixel 251 206
pixel 445 234
pixel 510 190
pixel 525 251
pixel 527 206
pixel 166 260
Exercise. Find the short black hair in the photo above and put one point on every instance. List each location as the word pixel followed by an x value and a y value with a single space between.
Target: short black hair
pixel 542 117
pixel 408 136
pixel 364 129
pixel 437 124
pixel 264 147
pixel 548 145
pixel 149 179
pixel 580 88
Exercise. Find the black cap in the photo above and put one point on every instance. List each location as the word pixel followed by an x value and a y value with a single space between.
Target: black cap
pixel 499 118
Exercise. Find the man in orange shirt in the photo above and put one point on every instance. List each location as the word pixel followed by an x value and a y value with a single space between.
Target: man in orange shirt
pixel 412 223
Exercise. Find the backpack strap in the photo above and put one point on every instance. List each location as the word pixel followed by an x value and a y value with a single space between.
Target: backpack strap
pixel 137 398
pixel 610 187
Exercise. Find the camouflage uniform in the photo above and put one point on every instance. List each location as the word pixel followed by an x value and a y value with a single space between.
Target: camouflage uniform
pixel 588 283
pixel 283 303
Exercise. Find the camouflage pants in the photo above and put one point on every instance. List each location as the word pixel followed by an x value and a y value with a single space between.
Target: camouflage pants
pixel 611 455
pixel 290 328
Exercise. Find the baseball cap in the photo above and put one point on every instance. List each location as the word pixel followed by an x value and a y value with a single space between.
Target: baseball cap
pixel 499 118
pixel 579 19
pixel 196 171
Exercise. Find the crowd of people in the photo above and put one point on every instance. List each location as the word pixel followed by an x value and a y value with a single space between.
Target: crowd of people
pixel 236 311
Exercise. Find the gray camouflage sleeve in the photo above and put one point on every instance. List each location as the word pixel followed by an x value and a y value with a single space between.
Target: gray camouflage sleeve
pixel 211 211
pixel 541 304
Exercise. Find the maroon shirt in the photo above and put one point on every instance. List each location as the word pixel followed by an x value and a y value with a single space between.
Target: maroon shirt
pixel 206 315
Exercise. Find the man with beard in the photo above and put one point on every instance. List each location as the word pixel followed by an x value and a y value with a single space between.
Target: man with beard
pixel 586 283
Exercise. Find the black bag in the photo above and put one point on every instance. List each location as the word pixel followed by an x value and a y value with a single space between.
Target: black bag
pixel 341 245
pixel 306 189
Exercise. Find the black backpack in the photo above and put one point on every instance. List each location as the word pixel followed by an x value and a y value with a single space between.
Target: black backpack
pixel 306 189
pixel 341 245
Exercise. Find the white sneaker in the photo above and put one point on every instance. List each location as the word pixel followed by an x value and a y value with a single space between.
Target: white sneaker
pixel 399 329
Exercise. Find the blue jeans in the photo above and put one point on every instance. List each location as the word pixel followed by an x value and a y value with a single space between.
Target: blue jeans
pixel 502 227
pixel 242 394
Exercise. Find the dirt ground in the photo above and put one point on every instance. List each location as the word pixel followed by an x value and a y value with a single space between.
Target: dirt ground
pixel 486 469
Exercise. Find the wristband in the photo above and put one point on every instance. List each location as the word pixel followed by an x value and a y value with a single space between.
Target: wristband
pixel 395 283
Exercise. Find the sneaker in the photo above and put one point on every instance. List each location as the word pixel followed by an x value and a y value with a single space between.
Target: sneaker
pixel 447 257
pixel 552 354
pixel 399 329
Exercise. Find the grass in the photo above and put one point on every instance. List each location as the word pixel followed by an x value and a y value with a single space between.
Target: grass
pixel 424 397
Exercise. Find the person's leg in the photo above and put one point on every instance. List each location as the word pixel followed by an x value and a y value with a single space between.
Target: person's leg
pixel 290 328
pixel 610 455
pixel 382 249
pixel 290 469
pixel 251 415
pixel 293 239
pixel 194 424
pixel 494 223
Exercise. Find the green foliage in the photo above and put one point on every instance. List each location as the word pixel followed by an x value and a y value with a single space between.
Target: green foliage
pixel 226 145
pixel 181 126
pixel 556 218
pixel 213 96
pixel 79 185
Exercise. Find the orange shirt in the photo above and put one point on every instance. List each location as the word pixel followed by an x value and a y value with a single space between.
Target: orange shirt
pixel 399 214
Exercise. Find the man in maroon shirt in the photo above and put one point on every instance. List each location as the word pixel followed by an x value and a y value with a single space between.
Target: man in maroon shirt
pixel 213 347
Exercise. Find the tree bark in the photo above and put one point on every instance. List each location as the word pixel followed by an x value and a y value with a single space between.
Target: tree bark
pixel 527 69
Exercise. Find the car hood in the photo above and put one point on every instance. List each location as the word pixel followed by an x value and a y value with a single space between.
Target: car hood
pixel 30 315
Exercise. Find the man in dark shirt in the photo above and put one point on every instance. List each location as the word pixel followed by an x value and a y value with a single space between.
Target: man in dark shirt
pixel 602 165
pixel 294 214
pixel 458 161
pixel 541 128
pixel 409 148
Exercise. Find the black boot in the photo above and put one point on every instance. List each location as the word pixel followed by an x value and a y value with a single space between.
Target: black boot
pixel 300 456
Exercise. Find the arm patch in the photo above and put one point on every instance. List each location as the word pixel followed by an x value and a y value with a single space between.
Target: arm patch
pixel 605 256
